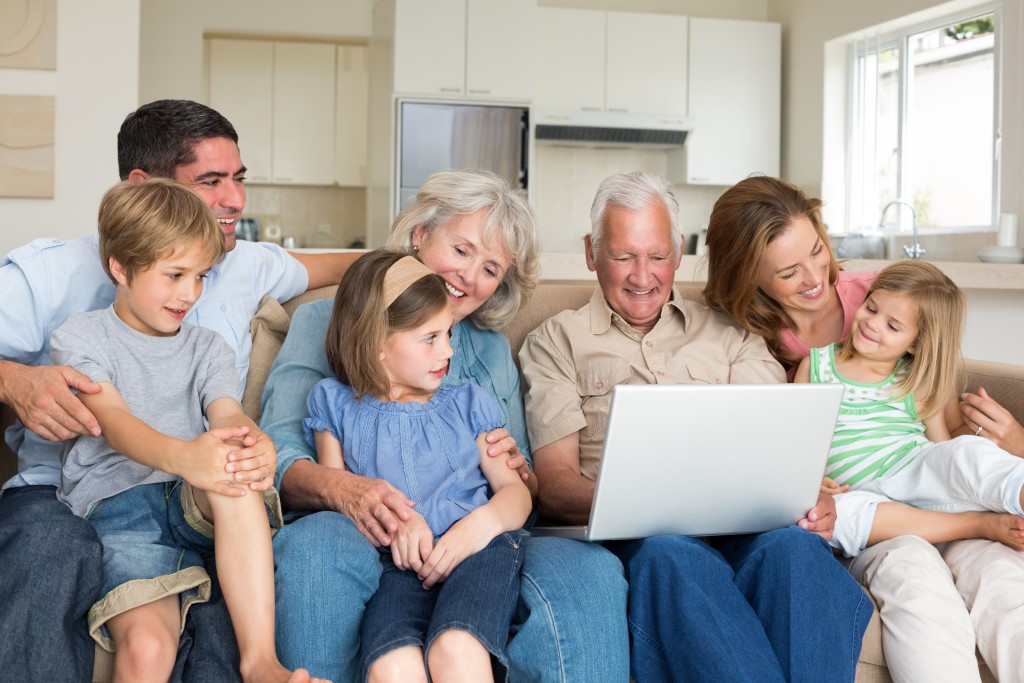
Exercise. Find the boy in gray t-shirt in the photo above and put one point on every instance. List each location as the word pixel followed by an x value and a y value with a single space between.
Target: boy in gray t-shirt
pixel 159 378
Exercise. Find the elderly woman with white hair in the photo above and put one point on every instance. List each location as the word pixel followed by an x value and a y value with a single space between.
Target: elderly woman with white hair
pixel 480 237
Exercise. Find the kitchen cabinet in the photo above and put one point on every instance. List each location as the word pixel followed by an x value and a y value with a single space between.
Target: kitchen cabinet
pixel 591 60
pixel 351 106
pixel 645 71
pixel 464 48
pixel 287 100
pixel 735 85
pixel 303 113
pixel 241 84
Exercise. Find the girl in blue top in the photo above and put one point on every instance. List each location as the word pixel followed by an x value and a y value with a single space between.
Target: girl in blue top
pixel 899 367
pixel 387 416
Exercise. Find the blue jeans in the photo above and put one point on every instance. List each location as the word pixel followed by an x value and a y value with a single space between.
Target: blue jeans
pixel 766 607
pixel 50 572
pixel 477 597
pixel 569 624
pixel 50 575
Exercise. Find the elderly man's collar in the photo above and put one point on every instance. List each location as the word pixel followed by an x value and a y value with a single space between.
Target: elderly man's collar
pixel 601 313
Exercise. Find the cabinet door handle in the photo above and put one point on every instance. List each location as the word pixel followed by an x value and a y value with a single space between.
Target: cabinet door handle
pixel 699 179
pixel 282 180
pixel 478 91
pixel 451 89
pixel 591 108
pixel 622 109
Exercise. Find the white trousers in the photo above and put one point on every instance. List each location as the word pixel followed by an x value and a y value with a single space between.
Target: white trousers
pixel 968 473
pixel 990 578
pixel 927 633
pixel 934 614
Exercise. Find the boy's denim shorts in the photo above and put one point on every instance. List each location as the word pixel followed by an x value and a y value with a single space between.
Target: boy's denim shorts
pixel 479 597
pixel 155 544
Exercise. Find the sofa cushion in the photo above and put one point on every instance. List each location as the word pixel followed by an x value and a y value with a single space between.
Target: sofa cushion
pixel 268 328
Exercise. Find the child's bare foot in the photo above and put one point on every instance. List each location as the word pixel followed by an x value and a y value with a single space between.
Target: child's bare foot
pixel 275 673
pixel 1005 528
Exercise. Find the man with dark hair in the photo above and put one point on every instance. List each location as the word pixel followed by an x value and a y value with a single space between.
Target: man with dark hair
pixel 50 560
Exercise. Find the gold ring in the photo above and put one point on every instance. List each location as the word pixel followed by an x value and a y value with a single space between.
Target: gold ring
pixel 978 432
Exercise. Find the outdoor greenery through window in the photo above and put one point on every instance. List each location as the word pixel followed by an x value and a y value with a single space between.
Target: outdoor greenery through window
pixel 925 125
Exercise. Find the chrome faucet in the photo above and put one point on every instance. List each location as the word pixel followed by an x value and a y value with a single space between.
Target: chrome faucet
pixel 914 250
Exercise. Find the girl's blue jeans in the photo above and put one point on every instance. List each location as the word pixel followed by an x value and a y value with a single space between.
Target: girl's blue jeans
pixel 569 625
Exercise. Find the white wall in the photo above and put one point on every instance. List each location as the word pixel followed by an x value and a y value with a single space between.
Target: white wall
pixel 94 86
pixel 171 54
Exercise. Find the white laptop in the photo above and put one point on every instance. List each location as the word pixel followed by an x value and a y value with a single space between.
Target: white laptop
pixel 702 460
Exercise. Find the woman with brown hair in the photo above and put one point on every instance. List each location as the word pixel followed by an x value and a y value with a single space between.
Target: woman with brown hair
pixel 771 269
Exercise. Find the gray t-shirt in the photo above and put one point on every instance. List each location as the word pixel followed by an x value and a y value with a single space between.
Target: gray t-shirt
pixel 167 382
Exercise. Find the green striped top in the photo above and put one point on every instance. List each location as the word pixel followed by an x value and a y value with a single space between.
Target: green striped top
pixel 876 433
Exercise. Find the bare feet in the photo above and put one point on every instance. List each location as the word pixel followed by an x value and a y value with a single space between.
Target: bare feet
pixel 1005 528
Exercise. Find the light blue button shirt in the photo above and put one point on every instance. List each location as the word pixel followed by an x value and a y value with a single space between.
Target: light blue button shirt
pixel 48 280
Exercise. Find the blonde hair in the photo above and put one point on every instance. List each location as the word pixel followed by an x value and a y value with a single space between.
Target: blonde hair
pixel 361 323
pixel 509 225
pixel 141 223
pixel 934 365
pixel 745 220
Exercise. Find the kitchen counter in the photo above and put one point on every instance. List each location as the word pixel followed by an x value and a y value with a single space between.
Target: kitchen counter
pixel 564 267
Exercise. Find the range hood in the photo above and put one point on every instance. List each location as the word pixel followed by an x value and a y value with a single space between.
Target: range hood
pixel 611 129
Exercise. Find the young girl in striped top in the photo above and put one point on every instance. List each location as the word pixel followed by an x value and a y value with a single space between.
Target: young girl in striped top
pixel 891 447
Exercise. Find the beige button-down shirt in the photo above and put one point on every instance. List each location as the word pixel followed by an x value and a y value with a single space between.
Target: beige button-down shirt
pixel 571 362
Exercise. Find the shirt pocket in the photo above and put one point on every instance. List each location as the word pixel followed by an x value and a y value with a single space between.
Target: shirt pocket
pixel 707 373
pixel 595 382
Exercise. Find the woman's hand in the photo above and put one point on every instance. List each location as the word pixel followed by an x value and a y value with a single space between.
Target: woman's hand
pixel 375 506
pixel 501 443
pixel 981 411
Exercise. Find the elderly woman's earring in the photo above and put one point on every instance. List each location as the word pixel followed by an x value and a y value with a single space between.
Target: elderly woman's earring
pixel 415 248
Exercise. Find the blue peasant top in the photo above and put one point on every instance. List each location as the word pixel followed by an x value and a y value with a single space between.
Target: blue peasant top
pixel 426 450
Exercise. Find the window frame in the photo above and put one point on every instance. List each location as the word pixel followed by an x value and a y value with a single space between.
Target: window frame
pixel 897 36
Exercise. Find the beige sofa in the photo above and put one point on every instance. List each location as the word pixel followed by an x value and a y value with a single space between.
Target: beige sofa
pixel 1005 382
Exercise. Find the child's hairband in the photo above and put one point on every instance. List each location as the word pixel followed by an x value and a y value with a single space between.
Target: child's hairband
pixel 401 275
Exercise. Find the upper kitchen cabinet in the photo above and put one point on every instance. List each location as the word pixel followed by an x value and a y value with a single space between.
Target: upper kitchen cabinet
pixel 291 102
pixel 241 83
pixel 592 60
pixel 351 107
pixel 463 48
pixel 303 113
pixel 735 101
pixel 646 49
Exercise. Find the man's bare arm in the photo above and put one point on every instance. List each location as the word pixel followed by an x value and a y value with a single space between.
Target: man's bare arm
pixel 565 495
pixel 325 269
